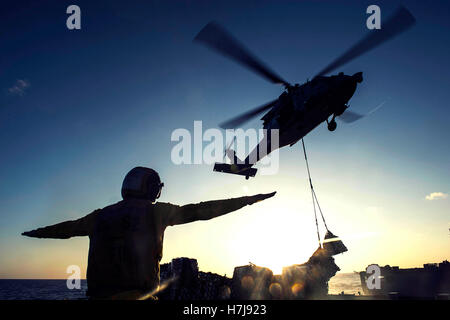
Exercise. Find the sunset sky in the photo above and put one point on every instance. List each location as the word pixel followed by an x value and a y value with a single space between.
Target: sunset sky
pixel 80 108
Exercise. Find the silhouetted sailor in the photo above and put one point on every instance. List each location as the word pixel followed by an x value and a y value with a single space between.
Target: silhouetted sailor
pixel 126 238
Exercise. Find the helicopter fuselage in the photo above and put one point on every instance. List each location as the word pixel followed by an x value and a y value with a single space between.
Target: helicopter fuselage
pixel 301 108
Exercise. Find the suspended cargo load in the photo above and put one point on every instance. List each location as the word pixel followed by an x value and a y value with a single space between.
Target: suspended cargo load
pixel 333 245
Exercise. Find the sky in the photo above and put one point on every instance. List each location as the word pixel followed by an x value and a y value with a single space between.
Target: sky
pixel 80 108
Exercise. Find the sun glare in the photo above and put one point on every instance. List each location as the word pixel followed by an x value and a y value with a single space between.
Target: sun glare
pixel 274 240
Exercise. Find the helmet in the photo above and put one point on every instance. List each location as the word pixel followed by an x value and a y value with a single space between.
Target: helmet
pixel 142 183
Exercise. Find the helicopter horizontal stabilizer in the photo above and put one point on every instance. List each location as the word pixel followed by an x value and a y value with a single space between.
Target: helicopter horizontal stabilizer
pixel 239 169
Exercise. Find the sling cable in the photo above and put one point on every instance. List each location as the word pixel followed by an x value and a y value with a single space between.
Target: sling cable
pixel 330 243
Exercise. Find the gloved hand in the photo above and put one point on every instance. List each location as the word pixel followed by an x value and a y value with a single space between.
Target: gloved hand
pixel 260 197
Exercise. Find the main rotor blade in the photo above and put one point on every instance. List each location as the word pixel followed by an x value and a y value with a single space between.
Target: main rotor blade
pixel 350 116
pixel 241 119
pixel 217 38
pixel 400 21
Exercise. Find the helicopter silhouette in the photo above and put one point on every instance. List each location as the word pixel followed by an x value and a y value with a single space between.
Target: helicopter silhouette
pixel 300 108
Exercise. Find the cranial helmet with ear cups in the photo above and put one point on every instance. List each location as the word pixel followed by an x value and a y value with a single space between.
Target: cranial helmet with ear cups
pixel 142 183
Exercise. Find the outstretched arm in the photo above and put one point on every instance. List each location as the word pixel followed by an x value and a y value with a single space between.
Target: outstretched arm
pixel 211 209
pixel 65 230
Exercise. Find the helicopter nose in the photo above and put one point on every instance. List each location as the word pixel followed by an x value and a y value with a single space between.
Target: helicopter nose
pixel 358 77
pixel 349 86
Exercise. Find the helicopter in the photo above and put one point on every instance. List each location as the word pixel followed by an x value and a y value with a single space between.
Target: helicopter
pixel 300 108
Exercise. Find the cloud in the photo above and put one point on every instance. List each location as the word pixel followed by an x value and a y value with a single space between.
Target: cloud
pixel 19 87
pixel 436 196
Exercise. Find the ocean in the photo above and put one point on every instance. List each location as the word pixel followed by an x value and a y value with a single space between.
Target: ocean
pixel 13 289
pixel 57 289
pixel 349 283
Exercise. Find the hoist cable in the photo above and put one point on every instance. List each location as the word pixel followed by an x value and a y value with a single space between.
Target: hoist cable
pixel 314 196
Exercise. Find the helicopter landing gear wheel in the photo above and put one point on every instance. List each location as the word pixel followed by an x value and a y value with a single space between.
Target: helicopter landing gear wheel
pixel 332 125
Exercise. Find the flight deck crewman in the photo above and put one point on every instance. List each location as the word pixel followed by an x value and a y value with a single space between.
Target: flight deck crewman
pixel 126 238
